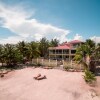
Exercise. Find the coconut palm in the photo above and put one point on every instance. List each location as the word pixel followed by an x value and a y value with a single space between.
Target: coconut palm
pixel 81 55
pixel 90 47
pixel 9 54
pixel 1 54
pixel 86 55
pixel 33 51
pixel 22 48
pixel 54 42
pixel 43 47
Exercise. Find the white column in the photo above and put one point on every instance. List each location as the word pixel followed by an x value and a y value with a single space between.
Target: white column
pixel 49 54
pixel 71 63
pixel 42 61
pixel 55 54
pixel 49 62
pixel 32 61
pixel 56 62
pixel 63 62
pixel 62 54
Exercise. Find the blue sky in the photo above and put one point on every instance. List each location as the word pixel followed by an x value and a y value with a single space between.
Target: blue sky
pixel 62 19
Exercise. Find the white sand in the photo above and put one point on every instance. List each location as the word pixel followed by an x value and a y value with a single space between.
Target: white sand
pixel 59 85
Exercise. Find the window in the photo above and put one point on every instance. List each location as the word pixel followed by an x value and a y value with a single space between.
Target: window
pixel 73 51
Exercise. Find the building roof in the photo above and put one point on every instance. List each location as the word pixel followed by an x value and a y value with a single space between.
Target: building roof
pixel 63 47
pixel 75 41
pixel 66 45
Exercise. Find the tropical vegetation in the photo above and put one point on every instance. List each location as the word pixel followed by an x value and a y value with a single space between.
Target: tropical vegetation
pixel 88 54
pixel 89 76
pixel 21 52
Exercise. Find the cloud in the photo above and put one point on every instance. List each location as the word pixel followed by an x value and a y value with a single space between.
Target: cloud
pixel 19 21
pixel 12 40
pixel 78 37
pixel 96 39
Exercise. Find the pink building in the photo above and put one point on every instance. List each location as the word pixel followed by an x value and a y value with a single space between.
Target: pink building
pixel 65 50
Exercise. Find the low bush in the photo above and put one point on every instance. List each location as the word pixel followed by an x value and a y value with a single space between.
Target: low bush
pixel 67 67
pixel 89 76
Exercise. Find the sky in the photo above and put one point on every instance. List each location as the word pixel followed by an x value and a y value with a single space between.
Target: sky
pixel 66 20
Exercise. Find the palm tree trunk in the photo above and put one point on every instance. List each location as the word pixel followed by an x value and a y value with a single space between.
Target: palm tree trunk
pixel 92 66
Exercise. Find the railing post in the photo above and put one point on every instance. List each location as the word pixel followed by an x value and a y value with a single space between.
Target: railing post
pixel 49 62
pixel 42 61
pixel 63 62
pixel 56 62
pixel 37 61
pixel 71 63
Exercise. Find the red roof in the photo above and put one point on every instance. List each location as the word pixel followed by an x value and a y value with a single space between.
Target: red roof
pixel 63 47
pixel 67 45
pixel 75 41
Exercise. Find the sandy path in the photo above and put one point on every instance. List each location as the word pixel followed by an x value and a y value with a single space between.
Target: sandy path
pixel 59 85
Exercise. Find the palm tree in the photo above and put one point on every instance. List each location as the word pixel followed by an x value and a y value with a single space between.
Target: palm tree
pixel 33 51
pixel 85 54
pixel 22 47
pixel 90 47
pixel 9 54
pixel 43 47
pixel 81 55
pixel 54 42
pixel 2 54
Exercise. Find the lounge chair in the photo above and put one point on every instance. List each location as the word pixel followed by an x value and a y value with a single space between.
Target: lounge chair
pixel 37 76
pixel 41 77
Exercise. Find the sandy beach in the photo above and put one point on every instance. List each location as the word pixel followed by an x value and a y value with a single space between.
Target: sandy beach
pixel 59 85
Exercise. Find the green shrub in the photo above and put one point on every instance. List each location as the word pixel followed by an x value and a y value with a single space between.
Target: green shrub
pixel 89 76
pixel 67 67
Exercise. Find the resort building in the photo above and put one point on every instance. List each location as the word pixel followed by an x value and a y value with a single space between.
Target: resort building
pixel 64 51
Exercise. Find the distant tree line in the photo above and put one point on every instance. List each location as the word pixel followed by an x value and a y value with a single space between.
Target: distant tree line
pixel 25 51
